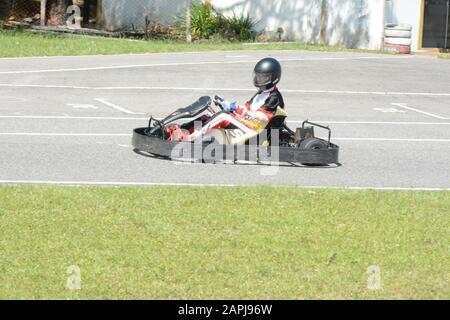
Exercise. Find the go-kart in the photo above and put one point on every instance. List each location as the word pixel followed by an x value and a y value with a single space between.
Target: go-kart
pixel 276 143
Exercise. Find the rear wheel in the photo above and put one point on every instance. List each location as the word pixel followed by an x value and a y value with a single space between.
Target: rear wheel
pixel 313 144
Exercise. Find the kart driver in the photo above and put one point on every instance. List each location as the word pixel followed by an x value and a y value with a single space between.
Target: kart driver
pixel 253 117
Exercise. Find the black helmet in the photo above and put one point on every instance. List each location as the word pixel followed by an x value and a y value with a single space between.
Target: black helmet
pixel 267 73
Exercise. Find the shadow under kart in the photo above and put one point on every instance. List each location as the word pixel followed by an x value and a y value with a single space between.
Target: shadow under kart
pixel 277 143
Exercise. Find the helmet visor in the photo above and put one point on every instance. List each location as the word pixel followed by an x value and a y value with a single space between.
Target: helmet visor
pixel 261 79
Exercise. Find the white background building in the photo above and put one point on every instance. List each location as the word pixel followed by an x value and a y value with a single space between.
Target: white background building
pixel 350 23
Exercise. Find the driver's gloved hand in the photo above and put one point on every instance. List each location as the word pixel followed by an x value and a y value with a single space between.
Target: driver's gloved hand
pixel 229 106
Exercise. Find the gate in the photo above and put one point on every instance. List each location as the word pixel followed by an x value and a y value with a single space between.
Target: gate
pixel 436 31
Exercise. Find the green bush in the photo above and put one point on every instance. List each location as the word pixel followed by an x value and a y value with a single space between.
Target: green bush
pixel 204 20
pixel 207 23
pixel 240 27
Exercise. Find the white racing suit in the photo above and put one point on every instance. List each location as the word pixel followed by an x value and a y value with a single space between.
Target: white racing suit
pixel 248 120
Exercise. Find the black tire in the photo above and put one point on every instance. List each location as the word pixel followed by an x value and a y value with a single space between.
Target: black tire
pixel 393 33
pixel 313 144
pixel 395 26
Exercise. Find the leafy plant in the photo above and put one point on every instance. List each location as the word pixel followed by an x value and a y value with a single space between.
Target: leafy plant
pixel 240 26
pixel 207 23
pixel 280 32
pixel 147 23
pixel 204 20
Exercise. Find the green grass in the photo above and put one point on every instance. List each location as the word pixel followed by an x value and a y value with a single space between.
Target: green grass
pixel 27 44
pixel 444 56
pixel 231 243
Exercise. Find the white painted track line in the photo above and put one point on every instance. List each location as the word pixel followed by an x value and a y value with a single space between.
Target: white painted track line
pixel 44 86
pixel 404 106
pixel 175 64
pixel 71 118
pixel 143 184
pixel 391 139
pixel 289 121
pixel 40 134
pixel 155 54
pixel 109 104
pixel 107 183
pixel 373 122
pixel 294 91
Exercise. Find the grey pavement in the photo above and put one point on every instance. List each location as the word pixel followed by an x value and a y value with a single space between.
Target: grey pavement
pixel 69 119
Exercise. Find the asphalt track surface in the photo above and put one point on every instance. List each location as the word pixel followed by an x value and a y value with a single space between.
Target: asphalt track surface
pixel 69 120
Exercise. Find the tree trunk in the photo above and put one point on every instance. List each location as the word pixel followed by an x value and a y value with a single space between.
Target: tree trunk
pixel 86 12
pixel 99 16
pixel 188 21
pixel 323 22
pixel 43 15
pixel 58 11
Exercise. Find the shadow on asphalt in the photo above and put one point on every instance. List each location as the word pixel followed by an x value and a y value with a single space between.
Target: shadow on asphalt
pixel 288 165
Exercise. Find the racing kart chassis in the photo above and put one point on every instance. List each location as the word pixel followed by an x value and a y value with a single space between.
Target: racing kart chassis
pixel 276 143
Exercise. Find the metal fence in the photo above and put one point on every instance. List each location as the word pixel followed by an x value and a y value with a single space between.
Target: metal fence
pixel 19 10
pixel 137 16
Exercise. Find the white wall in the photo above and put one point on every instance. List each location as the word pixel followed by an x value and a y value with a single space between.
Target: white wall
pixel 355 23
pixel 405 11
pixel 299 18
pixel 122 14
pixel 351 23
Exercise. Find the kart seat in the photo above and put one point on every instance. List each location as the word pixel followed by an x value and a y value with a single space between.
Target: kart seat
pixel 277 122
